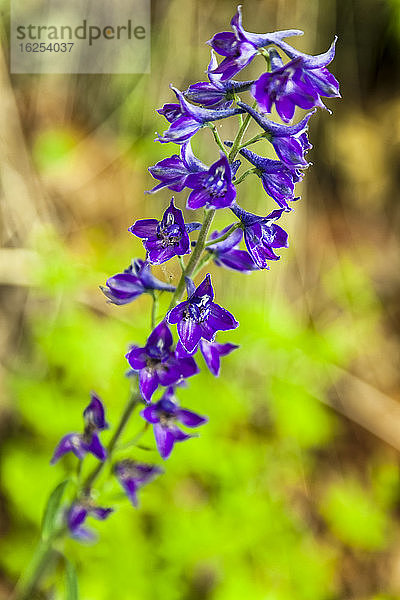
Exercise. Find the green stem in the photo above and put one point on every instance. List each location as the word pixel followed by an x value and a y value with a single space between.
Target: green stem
pixel 29 580
pixel 154 307
pixel 224 236
pixel 239 136
pixel 129 408
pixel 217 137
pixel 202 263
pixel 194 257
pixel 254 139
pixel 181 263
pixel 244 175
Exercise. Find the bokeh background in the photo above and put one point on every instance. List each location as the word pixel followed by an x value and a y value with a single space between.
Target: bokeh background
pixel 292 491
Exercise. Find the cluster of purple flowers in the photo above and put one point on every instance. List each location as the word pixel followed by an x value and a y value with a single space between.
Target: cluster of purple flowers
pixel 292 79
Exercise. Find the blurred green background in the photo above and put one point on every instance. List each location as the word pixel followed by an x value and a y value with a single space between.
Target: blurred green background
pixel 292 491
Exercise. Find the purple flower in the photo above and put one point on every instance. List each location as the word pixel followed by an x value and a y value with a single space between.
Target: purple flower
pixel 192 118
pixel 166 238
pixel 94 415
pixel 88 441
pixel 262 235
pixel 216 92
pixel 199 317
pixel 77 515
pixel 212 188
pixel 290 143
pixel 133 475
pixel 157 363
pixel 226 254
pixel 277 179
pixel 311 75
pixel 163 415
pixel 240 47
pixel 137 279
pixel 171 111
pixel 212 353
pixel 173 171
pixel 294 84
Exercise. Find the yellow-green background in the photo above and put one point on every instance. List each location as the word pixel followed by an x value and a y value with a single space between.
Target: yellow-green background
pixel 292 490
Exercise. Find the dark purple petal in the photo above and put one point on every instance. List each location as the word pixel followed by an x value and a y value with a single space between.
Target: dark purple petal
pixel 148 382
pixel 176 314
pixel 150 413
pixel 221 319
pixel 72 442
pixel 100 513
pixel 144 228
pixel 76 516
pixel 171 111
pixel 122 288
pixel 205 289
pixel 237 260
pixel 189 333
pixel 164 439
pixel 180 131
pixel 96 448
pixel 160 337
pixel 212 353
pixel 189 418
pixel 137 358
pixel 188 366
pixel 94 413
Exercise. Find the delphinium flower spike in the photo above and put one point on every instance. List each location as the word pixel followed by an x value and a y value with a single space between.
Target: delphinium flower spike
pixel 293 79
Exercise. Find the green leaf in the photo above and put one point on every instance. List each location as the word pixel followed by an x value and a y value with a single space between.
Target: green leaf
pixel 51 510
pixel 71 582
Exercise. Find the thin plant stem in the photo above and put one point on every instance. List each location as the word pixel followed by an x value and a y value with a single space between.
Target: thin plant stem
pixel 154 307
pixel 224 236
pixel 195 256
pixel 217 137
pixel 203 262
pixel 239 136
pixel 42 559
pixel 244 175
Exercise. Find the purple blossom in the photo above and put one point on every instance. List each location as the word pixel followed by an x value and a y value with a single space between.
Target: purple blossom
pixel 94 415
pixel 199 317
pixel 262 235
pixel 216 92
pixel 212 188
pixel 137 279
pixel 212 352
pixel 157 362
pixel 226 254
pixel 166 238
pixel 293 85
pixel 172 111
pixel 88 441
pixel 277 179
pixel 77 515
pixel 240 47
pixel 311 75
pixel 290 143
pixel 133 475
pixel 191 119
pixel 173 171
pixel 163 415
